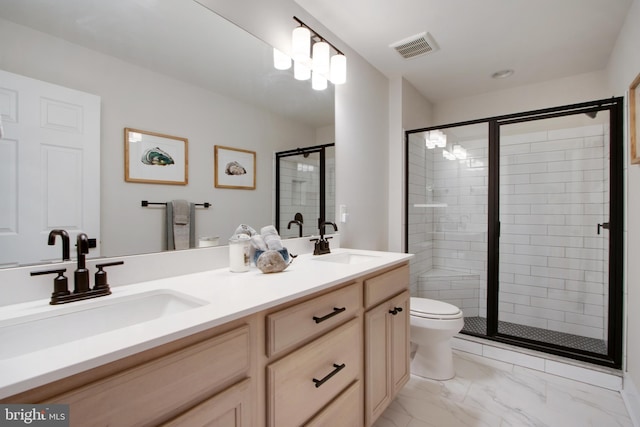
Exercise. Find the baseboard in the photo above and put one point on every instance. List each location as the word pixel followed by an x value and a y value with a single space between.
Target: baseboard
pixel 631 399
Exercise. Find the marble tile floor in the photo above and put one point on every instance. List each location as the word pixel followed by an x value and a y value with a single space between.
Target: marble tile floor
pixel 490 393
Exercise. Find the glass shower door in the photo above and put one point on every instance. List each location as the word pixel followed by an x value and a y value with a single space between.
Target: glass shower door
pixel 447 218
pixel 305 190
pixel 553 231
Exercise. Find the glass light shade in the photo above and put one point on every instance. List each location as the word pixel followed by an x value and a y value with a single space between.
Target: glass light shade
pixel 301 71
pixel 301 43
pixel 338 69
pixel 428 142
pixel 439 138
pixel 280 60
pixel 321 57
pixel 460 152
pixel 447 155
pixel 318 81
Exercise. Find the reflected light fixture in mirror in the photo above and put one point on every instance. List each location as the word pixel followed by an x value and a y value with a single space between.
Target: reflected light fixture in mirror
pixel 324 67
pixel 280 60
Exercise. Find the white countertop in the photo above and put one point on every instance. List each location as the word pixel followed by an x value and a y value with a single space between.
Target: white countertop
pixel 226 296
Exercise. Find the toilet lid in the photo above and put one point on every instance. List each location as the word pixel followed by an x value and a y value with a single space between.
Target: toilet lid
pixel 432 309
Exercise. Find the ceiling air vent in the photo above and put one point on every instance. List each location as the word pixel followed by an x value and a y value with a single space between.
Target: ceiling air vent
pixel 415 46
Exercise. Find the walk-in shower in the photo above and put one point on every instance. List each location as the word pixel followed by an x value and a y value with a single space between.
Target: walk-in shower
pixel 518 221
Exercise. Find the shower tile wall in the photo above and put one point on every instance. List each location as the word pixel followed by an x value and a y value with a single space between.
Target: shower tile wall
pixel 300 192
pixel 550 277
pixel 552 262
pixel 447 224
pixel 420 241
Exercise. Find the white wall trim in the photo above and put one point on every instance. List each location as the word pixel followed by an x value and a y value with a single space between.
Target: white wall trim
pixel 631 399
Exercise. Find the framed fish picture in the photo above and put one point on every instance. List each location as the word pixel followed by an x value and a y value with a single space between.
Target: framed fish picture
pixel 155 158
pixel 234 168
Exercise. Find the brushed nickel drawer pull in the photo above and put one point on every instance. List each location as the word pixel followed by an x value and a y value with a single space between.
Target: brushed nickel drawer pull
pixel 337 369
pixel 336 310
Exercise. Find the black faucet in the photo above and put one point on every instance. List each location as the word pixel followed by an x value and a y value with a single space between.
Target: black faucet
pixel 295 221
pixel 81 275
pixel 322 244
pixel 82 289
pixel 65 242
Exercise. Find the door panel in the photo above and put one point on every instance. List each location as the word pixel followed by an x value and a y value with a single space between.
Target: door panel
pixel 50 166
pixel 554 198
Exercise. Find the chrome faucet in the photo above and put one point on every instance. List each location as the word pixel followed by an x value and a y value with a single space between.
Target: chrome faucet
pixel 322 244
pixel 65 242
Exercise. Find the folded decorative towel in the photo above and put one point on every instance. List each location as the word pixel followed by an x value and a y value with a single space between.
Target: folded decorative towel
pixel 245 229
pixel 258 242
pixel 271 238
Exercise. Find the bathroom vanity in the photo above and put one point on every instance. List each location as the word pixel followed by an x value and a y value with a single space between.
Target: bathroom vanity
pixel 326 342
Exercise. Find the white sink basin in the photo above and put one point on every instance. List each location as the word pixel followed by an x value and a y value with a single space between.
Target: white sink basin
pixel 77 320
pixel 346 258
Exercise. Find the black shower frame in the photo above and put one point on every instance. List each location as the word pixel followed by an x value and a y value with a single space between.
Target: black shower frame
pixel 614 105
pixel 321 149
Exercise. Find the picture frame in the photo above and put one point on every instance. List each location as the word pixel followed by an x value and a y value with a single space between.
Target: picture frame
pixel 634 122
pixel 155 158
pixel 234 168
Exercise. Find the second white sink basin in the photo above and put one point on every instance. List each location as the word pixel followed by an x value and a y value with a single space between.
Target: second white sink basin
pixel 346 258
pixel 74 321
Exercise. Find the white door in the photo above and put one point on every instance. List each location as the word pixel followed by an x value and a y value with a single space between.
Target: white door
pixel 49 168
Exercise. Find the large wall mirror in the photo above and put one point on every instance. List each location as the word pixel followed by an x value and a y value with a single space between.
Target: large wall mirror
pixel 175 68
pixel 305 189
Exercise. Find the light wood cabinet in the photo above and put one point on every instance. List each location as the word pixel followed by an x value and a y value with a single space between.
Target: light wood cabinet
pixel 145 395
pixel 288 328
pixel 346 410
pixel 335 358
pixel 386 335
pixel 303 382
pixel 230 408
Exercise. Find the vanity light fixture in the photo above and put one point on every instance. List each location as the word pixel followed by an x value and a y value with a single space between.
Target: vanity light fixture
pixel 311 55
pixel 460 152
pixel 448 155
pixel 280 60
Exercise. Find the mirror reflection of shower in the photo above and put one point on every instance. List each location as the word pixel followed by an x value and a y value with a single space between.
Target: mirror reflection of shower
pixel 305 190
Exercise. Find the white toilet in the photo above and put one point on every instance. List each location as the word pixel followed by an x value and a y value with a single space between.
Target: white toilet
pixel 433 324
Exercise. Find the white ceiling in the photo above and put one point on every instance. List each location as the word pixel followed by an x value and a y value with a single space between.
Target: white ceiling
pixel 539 39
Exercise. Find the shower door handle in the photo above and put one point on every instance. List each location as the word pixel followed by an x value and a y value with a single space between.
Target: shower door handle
pixel 604 225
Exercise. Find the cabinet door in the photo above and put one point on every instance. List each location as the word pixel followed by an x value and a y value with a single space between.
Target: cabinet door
pixel 400 361
pixel 230 408
pixel 387 354
pixel 377 361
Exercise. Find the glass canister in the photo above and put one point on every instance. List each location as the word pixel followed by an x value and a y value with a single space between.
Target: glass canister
pixel 239 248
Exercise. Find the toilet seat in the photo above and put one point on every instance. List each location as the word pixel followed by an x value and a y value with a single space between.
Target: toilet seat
pixel 432 309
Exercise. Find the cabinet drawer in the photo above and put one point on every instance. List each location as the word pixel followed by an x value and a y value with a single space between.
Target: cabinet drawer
pixel 385 285
pixel 231 408
pixel 153 392
pixel 346 410
pixel 307 320
pixel 300 384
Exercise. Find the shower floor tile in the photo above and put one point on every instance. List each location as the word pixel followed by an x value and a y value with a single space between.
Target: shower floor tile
pixel 478 325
